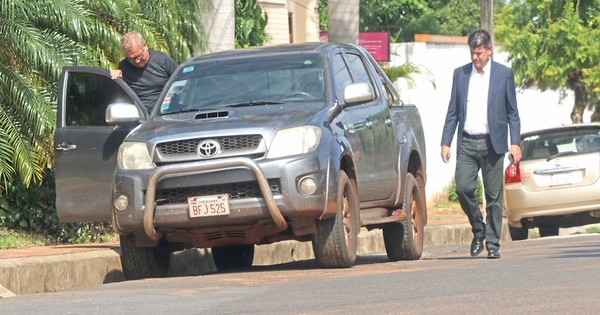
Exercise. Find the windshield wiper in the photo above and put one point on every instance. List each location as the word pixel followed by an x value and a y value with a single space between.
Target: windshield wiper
pixel 253 103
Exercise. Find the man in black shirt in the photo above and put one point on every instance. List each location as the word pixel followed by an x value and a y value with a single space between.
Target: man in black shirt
pixel 145 71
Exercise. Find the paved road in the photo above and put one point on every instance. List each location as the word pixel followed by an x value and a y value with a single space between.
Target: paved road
pixel 558 275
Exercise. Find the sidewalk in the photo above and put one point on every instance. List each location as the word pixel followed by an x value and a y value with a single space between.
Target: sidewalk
pixel 56 268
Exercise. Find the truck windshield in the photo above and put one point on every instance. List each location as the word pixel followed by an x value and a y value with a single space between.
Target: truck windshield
pixel 285 78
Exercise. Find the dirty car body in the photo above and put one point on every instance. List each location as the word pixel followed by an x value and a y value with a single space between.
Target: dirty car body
pixel 254 146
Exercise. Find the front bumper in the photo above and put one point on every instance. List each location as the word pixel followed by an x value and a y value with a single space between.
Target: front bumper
pixel 277 201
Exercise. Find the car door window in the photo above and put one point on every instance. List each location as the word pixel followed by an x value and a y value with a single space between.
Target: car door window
pixel 358 69
pixel 341 75
pixel 87 97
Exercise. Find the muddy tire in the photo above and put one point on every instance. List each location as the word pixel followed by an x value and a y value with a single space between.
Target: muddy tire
pixel 335 242
pixel 143 262
pixel 518 234
pixel 404 240
pixel 233 257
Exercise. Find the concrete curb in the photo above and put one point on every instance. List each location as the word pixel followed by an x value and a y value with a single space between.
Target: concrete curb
pixel 59 272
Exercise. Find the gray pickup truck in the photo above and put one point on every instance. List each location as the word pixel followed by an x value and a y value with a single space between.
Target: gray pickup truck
pixel 306 142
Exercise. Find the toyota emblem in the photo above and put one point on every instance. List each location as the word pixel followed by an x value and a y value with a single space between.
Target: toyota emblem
pixel 208 148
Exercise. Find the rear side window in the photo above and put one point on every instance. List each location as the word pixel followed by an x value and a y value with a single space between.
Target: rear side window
pixel 87 97
pixel 561 142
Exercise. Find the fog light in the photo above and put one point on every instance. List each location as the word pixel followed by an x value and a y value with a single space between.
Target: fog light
pixel 121 202
pixel 307 185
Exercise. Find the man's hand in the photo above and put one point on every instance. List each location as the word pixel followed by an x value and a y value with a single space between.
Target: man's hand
pixel 515 152
pixel 115 73
pixel 445 153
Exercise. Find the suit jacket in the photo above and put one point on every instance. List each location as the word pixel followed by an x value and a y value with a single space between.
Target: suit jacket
pixel 503 114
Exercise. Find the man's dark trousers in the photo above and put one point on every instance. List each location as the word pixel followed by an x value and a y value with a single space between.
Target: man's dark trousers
pixel 473 155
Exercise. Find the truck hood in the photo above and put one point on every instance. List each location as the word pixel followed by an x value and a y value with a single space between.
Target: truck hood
pixel 252 119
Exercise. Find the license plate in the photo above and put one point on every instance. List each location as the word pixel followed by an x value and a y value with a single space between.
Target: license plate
pixel 207 206
pixel 566 178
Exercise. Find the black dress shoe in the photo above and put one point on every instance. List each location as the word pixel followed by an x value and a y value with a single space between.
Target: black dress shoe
pixel 493 253
pixel 476 247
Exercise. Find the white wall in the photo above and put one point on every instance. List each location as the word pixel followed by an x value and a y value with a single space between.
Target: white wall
pixel 537 109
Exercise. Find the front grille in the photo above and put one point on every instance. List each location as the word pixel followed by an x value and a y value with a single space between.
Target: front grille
pixel 235 191
pixel 227 143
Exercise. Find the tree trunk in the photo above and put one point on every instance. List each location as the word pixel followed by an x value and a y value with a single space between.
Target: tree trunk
pixel 596 114
pixel 343 21
pixel 576 83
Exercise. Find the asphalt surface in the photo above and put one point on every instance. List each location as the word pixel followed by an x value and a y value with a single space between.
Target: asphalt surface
pixel 56 268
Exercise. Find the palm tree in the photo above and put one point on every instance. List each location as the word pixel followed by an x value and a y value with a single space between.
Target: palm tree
pixel 38 38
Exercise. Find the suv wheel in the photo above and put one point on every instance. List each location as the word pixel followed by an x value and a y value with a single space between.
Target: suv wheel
pixel 233 257
pixel 335 242
pixel 143 262
pixel 404 240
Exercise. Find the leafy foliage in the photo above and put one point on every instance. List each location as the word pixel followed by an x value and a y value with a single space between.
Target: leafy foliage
pixel 38 38
pixel 557 47
pixel 407 71
pixel 452 196
pixel 250 23
pixel 32 210
pixel 402 19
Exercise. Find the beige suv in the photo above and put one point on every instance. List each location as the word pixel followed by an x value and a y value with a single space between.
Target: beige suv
pixel 556 184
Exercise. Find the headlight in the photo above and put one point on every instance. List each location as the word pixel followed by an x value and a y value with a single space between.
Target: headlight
pixel 294 141
pixel 134 156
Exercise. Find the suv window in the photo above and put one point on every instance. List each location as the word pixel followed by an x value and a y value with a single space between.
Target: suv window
pixel 87 97
pixel 358 69
pixel 341 74
pixel 280 78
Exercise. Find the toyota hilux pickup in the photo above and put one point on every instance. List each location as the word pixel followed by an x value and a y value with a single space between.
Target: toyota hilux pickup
pixel 306 142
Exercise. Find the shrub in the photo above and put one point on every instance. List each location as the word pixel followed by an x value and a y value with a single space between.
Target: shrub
pixel 452 196
pixel 33 210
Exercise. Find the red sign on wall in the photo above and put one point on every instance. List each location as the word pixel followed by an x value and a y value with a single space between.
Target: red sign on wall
pixel 376 43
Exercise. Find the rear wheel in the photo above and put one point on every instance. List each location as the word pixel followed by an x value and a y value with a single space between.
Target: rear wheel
pixel 404 240
pixel 143 262
pixel 233 257
pixel 518 234
pixel 546 231
pixel 335 242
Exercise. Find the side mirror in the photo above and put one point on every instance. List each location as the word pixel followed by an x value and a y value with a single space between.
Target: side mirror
pixel 357 93
pixel 122 113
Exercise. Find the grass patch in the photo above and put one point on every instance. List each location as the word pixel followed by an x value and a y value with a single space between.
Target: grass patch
pixel 593 229
pixel 11 239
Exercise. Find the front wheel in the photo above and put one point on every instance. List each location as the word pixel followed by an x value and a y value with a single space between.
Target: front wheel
pixel 335 242
pixel 143 262
pixel 233 257
pixel 404 240
pixel 546 231
pixel 518 234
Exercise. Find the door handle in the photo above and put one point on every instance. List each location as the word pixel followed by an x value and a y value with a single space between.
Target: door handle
pixel 65 147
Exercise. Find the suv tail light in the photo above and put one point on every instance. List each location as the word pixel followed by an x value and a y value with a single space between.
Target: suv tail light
pixel 512 174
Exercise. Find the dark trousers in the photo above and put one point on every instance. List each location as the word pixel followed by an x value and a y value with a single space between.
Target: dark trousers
pixel 475 155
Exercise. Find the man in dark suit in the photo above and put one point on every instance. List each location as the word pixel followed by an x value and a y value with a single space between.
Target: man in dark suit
pixel 483 104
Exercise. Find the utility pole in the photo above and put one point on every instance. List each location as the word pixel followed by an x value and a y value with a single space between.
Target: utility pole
pixel 487 16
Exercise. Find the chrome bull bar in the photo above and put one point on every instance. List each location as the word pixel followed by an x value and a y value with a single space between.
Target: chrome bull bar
pixel 209 165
